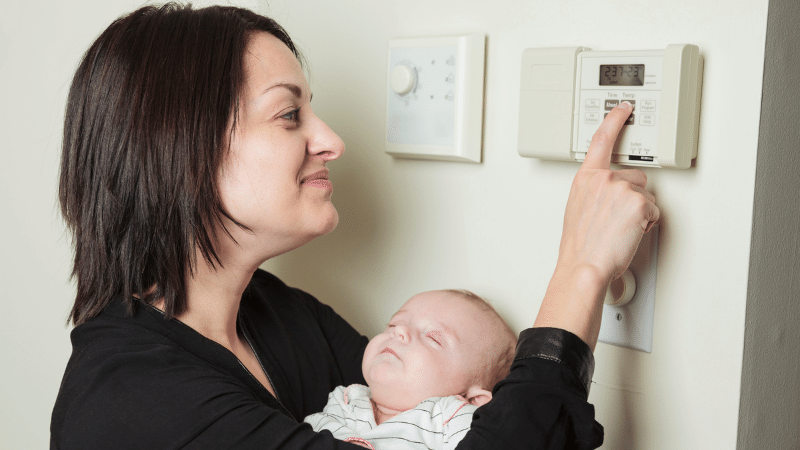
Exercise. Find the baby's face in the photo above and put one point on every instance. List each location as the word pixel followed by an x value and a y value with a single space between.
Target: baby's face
pixel 432 347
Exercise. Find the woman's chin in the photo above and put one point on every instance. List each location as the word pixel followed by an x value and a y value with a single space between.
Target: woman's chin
pixel 320 227
pixel 329 224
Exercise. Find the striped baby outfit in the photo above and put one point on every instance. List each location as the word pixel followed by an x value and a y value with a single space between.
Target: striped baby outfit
pixel 437 423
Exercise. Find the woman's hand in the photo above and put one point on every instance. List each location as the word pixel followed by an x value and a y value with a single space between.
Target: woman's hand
pixel 607 213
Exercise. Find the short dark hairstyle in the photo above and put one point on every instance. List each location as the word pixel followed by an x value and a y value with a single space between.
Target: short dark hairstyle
pixel 145 133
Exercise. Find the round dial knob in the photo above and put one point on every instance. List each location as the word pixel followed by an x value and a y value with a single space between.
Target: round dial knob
pixel 402 79
pixel 621 290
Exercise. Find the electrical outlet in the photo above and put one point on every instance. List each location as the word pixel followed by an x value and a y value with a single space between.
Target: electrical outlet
pixel 631 325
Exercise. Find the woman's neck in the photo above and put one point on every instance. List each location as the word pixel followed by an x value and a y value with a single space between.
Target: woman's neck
pixel 213 295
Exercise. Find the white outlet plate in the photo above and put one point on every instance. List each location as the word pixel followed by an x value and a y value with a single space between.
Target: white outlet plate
pixel 631 326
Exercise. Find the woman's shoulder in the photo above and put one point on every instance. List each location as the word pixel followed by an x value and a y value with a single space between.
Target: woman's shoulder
pixel 128 345
pixel 116 328
pixel 144 377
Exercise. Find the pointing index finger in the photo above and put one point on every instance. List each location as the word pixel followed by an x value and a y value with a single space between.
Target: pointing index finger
pixel 599 154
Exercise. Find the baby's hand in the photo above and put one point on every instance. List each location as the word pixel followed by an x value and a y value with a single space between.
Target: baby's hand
pixel 359 441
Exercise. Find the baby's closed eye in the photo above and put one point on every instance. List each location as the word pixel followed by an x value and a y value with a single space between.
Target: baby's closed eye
pixel 436 337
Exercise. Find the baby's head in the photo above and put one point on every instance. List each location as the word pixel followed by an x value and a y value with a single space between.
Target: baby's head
pixel 440 343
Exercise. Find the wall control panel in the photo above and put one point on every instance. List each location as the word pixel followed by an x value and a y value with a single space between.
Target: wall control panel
pixel 577 88
pixel 434 97
pixel 628 321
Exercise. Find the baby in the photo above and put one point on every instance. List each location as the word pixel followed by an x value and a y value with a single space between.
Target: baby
pixel 433 366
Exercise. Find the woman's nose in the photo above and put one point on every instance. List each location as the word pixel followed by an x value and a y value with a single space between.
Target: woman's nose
pixel 323 142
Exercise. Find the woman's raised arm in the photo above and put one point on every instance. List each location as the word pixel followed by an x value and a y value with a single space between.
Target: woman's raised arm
pixel 607 213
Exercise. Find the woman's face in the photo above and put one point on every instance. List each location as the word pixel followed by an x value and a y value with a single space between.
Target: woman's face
pixel 274 180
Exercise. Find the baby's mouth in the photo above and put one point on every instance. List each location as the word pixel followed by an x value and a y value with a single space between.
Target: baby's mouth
pixel 390 351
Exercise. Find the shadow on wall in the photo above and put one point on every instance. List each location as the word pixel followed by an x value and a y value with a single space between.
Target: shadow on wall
pixel 615 407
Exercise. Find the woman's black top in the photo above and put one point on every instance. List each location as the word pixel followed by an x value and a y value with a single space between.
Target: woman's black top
pixel 143 382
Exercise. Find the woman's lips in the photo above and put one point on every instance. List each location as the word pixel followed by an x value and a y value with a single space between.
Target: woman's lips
pixel 318 179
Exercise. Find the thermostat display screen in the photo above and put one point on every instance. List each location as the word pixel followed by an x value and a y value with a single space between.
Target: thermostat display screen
pixel 622 75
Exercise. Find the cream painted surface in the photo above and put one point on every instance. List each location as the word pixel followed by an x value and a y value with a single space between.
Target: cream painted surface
pixel 408 226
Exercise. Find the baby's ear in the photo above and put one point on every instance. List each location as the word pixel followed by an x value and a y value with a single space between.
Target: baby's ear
pixel 478 396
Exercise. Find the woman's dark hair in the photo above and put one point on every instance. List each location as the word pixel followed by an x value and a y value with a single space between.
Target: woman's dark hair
pixel 146 130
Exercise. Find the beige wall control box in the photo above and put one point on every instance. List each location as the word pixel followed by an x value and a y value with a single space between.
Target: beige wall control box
pixel 566 92
pixel 434 97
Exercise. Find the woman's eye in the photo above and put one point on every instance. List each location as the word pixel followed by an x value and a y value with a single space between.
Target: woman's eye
pixel 292 115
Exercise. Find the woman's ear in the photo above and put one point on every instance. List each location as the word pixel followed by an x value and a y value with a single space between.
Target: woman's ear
pixel 478 396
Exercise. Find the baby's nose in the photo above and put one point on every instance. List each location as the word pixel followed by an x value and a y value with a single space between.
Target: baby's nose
pixel 400 332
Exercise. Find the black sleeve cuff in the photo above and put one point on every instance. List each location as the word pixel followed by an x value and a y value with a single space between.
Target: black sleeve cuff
pixel 558 345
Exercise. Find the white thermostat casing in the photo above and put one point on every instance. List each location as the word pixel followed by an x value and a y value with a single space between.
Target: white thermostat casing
pixel 566 92
pixel 434 97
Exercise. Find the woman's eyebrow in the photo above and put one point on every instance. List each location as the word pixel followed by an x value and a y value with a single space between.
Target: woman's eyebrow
pixel 293 88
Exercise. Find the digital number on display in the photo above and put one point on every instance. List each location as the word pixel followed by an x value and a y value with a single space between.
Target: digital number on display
pixel 622 75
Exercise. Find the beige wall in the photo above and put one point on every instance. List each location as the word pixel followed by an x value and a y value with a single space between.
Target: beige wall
pixel 408 226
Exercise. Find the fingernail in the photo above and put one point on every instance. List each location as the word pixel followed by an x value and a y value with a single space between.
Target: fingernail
pixel 625 105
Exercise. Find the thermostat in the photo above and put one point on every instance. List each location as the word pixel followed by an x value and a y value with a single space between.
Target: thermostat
pixel 565 93
pixel 434 97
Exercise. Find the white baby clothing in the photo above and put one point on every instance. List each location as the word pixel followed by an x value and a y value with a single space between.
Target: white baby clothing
pixel 437 423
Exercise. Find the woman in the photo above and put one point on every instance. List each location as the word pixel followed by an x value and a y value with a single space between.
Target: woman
pixel 191 155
